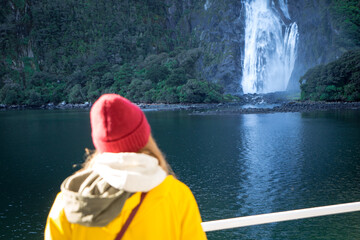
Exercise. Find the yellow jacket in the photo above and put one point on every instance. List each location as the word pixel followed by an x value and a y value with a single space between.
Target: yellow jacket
pixel 169 211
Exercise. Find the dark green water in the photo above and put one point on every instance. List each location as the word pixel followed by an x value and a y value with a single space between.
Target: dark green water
pixel 235 165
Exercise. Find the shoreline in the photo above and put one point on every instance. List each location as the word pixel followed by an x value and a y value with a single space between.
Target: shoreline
pixel 213 108
pixel 87 106
pixel 291 106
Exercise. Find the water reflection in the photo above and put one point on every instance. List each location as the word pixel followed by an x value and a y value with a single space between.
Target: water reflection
pixel 204 154
pixel 271 152
pixel 297 161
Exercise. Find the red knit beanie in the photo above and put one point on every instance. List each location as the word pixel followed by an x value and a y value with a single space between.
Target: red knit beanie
pixel 118 125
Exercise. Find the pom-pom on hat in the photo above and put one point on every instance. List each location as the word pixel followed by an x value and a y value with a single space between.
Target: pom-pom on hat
pixel 118 125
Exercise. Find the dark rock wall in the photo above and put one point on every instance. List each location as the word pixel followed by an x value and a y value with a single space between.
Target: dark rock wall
pixel 218 31
pixel 222 41
pixel 316 34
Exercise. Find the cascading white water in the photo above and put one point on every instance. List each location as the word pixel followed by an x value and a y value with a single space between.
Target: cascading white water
pixel 207 5
pixel 284 8
pixel 270 51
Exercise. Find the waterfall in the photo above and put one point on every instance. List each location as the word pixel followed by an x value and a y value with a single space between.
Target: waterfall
pixel 284 9
pixel 270 47
pixel 207 5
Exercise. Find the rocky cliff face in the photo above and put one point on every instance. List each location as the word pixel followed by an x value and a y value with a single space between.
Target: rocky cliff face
pixel 218 27
pixel 222 40
pixel 316 36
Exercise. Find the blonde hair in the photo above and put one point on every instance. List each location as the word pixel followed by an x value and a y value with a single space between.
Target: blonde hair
pixel 151 149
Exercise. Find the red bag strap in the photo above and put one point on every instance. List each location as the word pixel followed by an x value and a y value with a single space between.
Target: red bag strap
pixel 130 218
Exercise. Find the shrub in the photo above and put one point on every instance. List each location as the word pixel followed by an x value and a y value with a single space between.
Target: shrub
pixel 11 94
pixel 195 91
pixel 177 77
pixel 107 80
pixel 77 77
pixel 150 96
pixel 58 94
pixel 76 95
pixel 157 73
pixel 40 78
pixel 33 98
pixel 137 89
pixel 124 76
pixel 168 95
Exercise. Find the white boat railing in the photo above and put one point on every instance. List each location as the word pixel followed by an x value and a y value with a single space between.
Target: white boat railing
pixel 280 216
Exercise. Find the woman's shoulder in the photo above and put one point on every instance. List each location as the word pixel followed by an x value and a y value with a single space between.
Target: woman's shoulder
pixel 172 182
pixel 57 214
pixel 58 206
pixel 173 187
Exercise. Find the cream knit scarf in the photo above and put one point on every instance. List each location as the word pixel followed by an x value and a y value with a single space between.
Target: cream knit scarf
pixel 94 197
pixel 132 172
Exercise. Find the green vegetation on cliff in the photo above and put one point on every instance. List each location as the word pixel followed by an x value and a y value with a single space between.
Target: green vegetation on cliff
pixel 148 50
pixel 336 81
pixel 74 51
pixel 346 18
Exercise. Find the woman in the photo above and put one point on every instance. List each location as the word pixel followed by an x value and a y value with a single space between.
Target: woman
pixel 124 191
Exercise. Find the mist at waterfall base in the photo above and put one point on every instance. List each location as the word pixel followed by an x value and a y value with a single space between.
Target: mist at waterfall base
pixel 235 165
pixel 270 47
